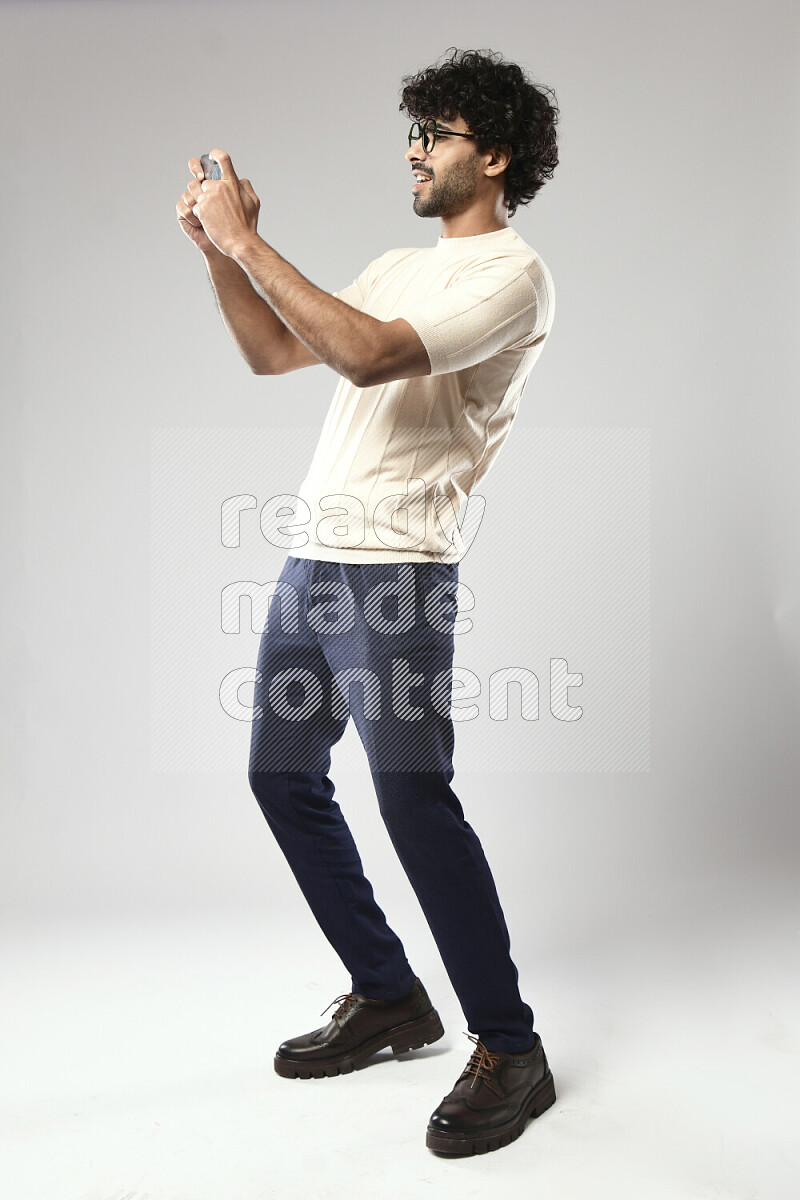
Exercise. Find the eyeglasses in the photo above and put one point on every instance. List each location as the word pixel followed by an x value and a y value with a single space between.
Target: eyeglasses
pixel 427 130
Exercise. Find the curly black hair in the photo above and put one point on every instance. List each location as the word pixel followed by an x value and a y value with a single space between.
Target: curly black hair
pixel 500 105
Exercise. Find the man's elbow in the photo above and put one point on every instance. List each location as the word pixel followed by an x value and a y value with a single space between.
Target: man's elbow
pixel 363 376
pixel 362 373
pixel 380 372
pixel 398 354
pixel 259 365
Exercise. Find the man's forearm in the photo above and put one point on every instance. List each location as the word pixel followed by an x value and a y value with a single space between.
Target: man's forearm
pixel 341 336
pixel 256 330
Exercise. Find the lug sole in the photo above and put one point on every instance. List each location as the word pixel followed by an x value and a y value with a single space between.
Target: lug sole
pixel 411 1036
pixel 538 1102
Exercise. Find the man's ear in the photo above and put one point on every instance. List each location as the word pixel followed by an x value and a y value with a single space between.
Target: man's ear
pixel 507 151
pixel 503 153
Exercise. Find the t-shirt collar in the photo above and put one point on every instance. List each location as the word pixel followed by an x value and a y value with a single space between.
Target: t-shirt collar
pixel 476 241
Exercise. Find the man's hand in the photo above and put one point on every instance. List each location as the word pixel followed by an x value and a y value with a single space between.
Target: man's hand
pixel 188 222
pixel 227 208
pixel 188 218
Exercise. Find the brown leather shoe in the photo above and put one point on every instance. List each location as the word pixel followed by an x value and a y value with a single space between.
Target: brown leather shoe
pixel 493 1098
pixel 359 1028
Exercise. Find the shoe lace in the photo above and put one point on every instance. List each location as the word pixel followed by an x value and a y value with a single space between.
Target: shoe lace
pixel 345 1002
pixel 482 1064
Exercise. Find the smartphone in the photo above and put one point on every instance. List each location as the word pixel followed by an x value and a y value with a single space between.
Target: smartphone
pixel 211 168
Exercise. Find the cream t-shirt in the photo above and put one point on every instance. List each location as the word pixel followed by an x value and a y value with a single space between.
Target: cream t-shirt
pixel 395 462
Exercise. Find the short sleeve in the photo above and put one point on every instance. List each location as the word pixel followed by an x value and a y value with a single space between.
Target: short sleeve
pixel 352 295
pixel 476 317
pixel 356 292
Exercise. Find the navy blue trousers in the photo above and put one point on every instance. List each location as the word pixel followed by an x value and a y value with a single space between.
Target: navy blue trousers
pixel 375 641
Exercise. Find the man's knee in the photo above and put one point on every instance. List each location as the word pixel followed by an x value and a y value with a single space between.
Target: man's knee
pixel 415 800
pixel 269 788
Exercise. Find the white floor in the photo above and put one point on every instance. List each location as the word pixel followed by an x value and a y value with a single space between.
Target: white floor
pixel 137 1064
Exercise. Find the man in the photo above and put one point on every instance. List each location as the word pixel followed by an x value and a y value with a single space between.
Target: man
pixel 433 347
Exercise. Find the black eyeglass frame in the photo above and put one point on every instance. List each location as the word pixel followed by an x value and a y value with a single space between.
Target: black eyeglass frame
pixel 429 129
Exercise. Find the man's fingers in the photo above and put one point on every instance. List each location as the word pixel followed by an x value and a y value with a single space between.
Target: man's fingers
pixel 225 163
pixel 192 193
pixel 186 214
pixel 196 167
pixel 248 187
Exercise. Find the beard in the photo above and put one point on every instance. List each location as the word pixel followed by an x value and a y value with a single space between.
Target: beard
pixel 449 193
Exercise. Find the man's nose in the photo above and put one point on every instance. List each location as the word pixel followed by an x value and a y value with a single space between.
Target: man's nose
pixel 415 153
